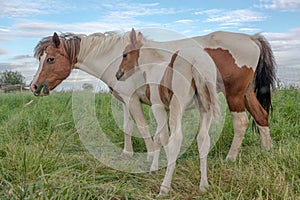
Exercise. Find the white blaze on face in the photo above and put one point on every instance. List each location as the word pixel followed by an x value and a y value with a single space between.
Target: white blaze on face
pixel 41 62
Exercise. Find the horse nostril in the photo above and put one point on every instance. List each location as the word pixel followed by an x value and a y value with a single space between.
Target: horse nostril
pixel 35 86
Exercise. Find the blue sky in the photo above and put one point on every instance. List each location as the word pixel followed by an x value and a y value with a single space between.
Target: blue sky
pixel 24 23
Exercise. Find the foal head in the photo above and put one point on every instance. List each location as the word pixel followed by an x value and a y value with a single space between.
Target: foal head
pixel 130 56
pixel 57 56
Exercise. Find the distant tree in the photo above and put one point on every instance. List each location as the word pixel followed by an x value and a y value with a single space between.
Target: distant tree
pixel 11 77
pixel 87 86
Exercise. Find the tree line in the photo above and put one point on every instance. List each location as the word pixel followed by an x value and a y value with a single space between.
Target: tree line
pixel 11 78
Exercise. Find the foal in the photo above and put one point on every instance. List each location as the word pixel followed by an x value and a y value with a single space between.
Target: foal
pixel 189 75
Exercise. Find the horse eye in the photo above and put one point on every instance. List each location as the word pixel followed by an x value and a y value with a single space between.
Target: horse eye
pixel 50 60
pixel 124 55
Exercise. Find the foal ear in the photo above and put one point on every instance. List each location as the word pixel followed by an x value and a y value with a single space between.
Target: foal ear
pixel 56 40
pixel 139 37
pixel 133 37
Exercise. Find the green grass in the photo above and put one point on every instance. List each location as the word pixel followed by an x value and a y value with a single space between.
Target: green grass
pixel 42 157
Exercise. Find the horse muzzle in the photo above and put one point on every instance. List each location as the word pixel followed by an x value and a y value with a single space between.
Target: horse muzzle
pixel 120 75
pixel 40 89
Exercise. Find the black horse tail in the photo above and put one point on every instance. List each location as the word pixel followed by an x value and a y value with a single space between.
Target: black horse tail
pixel 265 78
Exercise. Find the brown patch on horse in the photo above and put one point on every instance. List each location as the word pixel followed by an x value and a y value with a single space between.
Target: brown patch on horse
pixel 259 114
pixel 165 87
pixel 236 79
pixel 116 94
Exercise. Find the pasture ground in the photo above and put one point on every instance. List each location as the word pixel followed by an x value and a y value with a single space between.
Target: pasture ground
pixel 42 157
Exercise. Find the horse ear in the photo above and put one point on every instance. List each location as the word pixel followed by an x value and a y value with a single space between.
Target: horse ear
pixel 133 36
pixel 56 40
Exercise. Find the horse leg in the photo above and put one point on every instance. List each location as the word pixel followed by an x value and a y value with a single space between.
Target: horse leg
pixel 128 126
pixel 161 117
pixel 173 147
pixel 203 141
pixel 137 113
pixel 261 118
pixel 240 123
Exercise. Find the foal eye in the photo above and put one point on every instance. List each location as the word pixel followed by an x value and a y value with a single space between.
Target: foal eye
pixel 50 60
pixel 124 55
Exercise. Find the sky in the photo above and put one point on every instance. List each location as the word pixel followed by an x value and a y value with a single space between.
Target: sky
pixel 24 23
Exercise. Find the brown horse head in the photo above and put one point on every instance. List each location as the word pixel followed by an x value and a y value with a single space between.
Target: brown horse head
pixel 57 57
pixel 130 56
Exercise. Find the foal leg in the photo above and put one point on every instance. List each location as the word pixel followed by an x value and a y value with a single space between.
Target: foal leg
pixel 137 113
pixel 161 117
pixel 128 125
pixel 173 147
pixel 261 118
pixel 240 123
pixel 203 141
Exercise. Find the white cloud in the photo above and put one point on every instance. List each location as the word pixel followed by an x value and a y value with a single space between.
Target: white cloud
pixel 235 16
pixel 3 51
pixel 21 57
pixel 286 48
pixel 286 5
pixel 124 10
pixel 208 12
pixel 16 8
pixel 240 19
pixel 19 8
pixel 41 29
pixel 184 21
pixel 249 30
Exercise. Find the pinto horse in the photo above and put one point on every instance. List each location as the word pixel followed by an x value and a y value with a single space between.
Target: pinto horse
pixel 190 74
pixel 246 77
pixel 245 63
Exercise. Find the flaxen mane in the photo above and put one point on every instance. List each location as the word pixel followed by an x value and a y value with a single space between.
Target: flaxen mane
pixel 95 43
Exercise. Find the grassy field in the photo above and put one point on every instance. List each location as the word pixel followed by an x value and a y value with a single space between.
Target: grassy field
pixel 42 157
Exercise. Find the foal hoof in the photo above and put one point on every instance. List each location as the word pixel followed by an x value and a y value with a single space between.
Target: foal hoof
pixel 150 156
pixel 153 172
pixel 127 153
pixel 203 188
pixel 230 158
pixel 153 169
pixel 163 190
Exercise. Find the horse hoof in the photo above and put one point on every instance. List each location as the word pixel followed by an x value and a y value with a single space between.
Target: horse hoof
pixel 267 147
